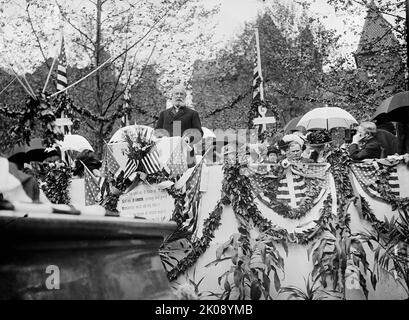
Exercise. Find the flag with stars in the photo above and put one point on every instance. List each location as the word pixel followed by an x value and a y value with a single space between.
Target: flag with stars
pixel 109 164
pixel 310 170
pixel 62 68
pixel 177 163
pixel 92 189
pixel 192 198
pixel 368 178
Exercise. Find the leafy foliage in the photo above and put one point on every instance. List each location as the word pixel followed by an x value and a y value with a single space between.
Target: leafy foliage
pixel 389 242
pixel 55 180
pixel 249 277
pixel 313 290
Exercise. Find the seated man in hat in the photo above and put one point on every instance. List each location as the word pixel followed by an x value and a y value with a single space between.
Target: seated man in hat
pixel 364 143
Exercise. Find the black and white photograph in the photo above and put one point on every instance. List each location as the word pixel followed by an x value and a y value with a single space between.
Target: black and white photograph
pixel 203 155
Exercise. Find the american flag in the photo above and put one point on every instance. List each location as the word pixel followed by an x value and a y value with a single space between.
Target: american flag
pixel 109 164
pixel 192 198
pixel 150 162
pixel 310 170
pixel 257 83
pixel 62 68
pixel 177 164
pixel 258 94
pixel 366 174
pixel 130 168
pixel 92 189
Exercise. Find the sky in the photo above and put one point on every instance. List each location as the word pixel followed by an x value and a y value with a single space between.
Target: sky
pixel 233 14
pixel 230 22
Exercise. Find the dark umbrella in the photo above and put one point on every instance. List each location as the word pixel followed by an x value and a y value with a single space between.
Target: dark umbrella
pixel 292 125
pixel 395 108
pixel 35 151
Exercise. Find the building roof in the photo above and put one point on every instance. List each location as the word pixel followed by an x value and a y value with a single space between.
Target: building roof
pixel 376 34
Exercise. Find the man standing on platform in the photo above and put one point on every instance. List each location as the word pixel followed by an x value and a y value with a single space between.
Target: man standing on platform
pixel 180 120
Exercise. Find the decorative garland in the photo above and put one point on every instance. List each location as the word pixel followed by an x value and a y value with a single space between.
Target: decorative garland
pixel 200 245
pixel 384 189
pixel 37 109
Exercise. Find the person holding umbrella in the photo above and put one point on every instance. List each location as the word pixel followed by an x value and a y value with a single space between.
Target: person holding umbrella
pixel 364 143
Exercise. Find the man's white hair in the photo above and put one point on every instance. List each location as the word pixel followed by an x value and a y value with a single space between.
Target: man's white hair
pixel 180 87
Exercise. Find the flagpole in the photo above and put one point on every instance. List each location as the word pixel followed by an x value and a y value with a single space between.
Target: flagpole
pixel 5 88
pixel 259 65
pixel 261 109
pixel 52 65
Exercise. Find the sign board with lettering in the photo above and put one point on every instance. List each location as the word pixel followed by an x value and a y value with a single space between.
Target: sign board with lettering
pixel 146 201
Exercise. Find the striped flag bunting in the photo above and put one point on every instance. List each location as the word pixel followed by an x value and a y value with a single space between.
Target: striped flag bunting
pixel 92 189
pixel 109 164
pixel 177 163
pixel 257 82
pixel 366 174
pixel 192 198
pixel 62 68
pixel 130 168
pixel 291 188
pixel 310 170
pixel 150 162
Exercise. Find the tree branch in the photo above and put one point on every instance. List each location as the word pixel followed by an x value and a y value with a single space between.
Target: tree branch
pixel 71 24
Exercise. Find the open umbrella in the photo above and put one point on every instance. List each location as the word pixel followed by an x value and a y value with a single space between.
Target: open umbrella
pixel 34 151
pixel 292 125
pixel 74 142
pixel 327 118
pixel 395 108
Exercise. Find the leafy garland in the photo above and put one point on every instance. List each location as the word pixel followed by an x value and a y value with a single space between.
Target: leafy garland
pixel 37 109
pixel 384 189
pixel 200 245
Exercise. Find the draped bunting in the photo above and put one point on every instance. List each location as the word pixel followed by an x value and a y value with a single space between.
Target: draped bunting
pixel 368 177
pixel 301 180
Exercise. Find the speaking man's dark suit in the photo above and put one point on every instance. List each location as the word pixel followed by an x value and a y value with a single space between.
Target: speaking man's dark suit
pixel 371 149
pixel 188 118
